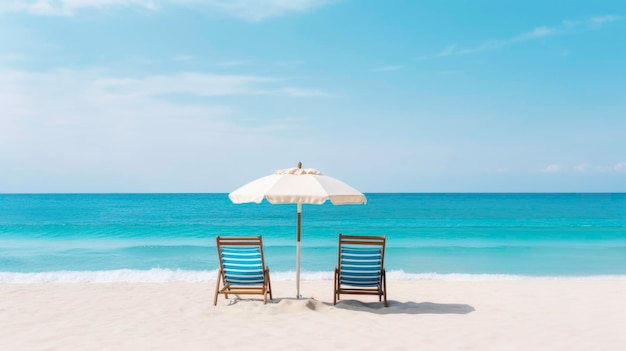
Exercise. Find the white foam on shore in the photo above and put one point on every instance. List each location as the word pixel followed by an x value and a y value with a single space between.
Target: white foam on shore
pixel 158 275
pixel 155 275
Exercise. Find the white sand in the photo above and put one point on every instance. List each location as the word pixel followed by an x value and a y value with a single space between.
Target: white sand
pixel 569 314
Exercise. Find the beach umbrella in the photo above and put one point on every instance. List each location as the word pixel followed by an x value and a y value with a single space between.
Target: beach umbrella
pixel 297 186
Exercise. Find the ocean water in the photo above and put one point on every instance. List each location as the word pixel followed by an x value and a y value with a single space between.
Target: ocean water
pixel 171 237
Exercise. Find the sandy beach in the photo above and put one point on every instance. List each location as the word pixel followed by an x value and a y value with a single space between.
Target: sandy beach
pixel 539 314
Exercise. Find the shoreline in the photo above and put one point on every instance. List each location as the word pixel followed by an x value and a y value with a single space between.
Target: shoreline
pixel 572 314
pixel 159 275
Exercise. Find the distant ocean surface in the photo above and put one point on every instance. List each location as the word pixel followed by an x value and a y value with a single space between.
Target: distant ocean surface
pixel 171 237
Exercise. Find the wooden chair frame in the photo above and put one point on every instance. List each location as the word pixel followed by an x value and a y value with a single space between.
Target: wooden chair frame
pixel 229 288
pixel 361 240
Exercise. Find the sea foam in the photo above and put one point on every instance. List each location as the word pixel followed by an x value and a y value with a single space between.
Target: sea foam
pixel 158 275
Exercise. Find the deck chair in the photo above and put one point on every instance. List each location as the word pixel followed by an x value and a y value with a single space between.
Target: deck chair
pixel 242 268
pixel 360 269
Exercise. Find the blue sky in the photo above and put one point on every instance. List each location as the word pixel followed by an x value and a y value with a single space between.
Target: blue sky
pixel 389 96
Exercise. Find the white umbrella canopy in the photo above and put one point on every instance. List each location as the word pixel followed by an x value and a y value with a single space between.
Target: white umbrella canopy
pixel 297 186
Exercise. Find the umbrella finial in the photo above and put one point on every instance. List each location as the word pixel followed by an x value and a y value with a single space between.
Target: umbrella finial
pixel 299 165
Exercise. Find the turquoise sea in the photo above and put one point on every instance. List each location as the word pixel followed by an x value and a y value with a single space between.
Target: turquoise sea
pixel 171 237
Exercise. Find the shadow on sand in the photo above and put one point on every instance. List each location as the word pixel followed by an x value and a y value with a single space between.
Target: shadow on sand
pixel 396 307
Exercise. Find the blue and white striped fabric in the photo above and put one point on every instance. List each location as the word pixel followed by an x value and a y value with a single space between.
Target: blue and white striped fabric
pixel 242 265
pixel 361 266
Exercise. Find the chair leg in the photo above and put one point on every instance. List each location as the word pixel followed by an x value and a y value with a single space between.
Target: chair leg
pixel 336 291
pixel 217 287
pixel 226 286
pixel 264 294
pixel 385 288
pixel 269 283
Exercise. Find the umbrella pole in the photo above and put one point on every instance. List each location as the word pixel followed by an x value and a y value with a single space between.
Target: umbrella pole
pixel 298 252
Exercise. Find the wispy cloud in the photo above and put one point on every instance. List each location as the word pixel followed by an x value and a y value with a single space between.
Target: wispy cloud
pixel 69 7
pixel 553 168
pixel 389 68
pixel 537 33
pixel 71 121
pixel 299 92
pixel 566 27
pixel 184 58
pixel 232 63
pixel 450 50
pixel 583 167
pixel 200 84
pixel 248 10
pixel 620 167
pixel 590 23
pixel 63 96
pixel 586 168
pixel 259 10
pixel 12 57
pixel 605 18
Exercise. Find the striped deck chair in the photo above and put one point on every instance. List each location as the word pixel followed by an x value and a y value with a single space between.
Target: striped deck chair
pixel 242 268
pixel 360 269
